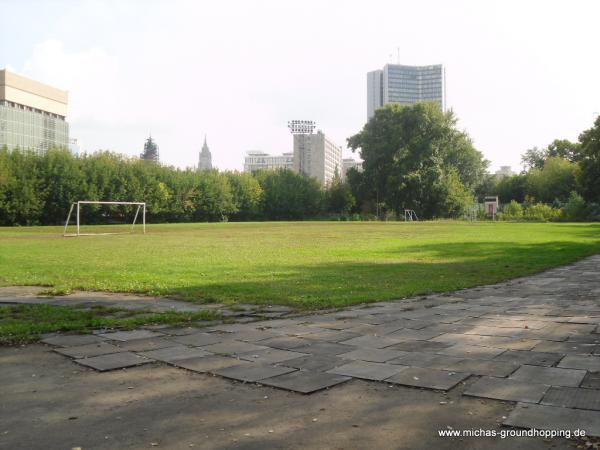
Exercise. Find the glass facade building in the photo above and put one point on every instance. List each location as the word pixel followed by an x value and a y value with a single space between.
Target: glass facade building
pixel 24 127
pixel 405 85
pixel 32 114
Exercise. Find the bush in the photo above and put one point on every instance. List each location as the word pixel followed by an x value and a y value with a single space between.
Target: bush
pixel 542 212
pixel 575 209
pixel 534 212
pixel 514 210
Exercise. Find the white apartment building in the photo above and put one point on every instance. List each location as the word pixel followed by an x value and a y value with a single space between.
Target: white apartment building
pixel 258 160
pixel 350 163
pixel 317 156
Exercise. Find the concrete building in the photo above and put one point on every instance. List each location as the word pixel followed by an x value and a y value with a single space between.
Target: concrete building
pixel 257 160
pixel 405 85
pixel 317 156
pixel 32 114
pixel 504 171
pixel 74 146
pixel 350 163
pixel 205 158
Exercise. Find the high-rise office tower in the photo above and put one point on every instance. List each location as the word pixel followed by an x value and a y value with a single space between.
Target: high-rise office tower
pixel 405 85
pixel 32 114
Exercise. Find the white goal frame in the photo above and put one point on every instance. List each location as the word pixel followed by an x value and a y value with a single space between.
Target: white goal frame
pixel 140 205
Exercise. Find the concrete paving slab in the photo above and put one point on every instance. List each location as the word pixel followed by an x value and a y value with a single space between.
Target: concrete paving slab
pixel 371 341
pixel 332 336
pixel 252 372
pixel 142 345
pixel 549 375
pixel 484 367
pixel 408 334
pixel 572 397
pixel 205 364
pixel 368 370
pixel 426 360
pixel 234 347
pixel 507 389
pixel 419 346
pixel 324 348
pixel 113 361
pixel 201 339
pixel 428 378
pixel 471 351
pixel 131 335
pixel 270 356
pixel 284 342
pixel 305 382
pixel 73 340
pixel 586 362
pixel 591 380
pixel 554 418
pixel 564 347
pixel 89 350
pixel 318 363
pixel 530 357
pixel 372 354
pixel 252 335
pixel 171 354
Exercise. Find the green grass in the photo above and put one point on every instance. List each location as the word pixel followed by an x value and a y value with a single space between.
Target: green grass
pixel 304 264
pixel 24 323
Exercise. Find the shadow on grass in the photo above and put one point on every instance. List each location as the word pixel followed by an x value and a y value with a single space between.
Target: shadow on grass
pixel 439 267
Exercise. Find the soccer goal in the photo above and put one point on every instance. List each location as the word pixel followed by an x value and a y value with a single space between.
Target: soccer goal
pixel 107 211
pixel 410 215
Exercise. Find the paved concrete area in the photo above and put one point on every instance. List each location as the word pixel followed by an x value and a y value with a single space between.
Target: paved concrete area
pixel 533 340
pixel 49 403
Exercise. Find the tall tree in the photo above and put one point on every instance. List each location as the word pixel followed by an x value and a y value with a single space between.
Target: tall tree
pixel 554 181
pixel 535 157
pixel 414 156
pixel 589 178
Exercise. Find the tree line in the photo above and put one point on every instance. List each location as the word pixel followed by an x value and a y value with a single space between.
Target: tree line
pixel 38 189
pixel 414 157
pixel 563 175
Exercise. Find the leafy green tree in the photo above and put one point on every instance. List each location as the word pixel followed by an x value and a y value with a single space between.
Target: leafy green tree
pixel 213 199
pixel 575 209
pixel 535 158
pixel 288 195
pixel 22 197
pixel 247 195
pixel 413 157
pixel 589 178
pixel 554 181
pixel 339 197
pixel 511 188
pixel 63 182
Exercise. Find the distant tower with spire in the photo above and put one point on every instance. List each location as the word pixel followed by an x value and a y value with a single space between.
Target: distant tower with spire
pixel 150 152
pixel 205 160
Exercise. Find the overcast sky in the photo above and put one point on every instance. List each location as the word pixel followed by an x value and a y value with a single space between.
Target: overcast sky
pixel 519 73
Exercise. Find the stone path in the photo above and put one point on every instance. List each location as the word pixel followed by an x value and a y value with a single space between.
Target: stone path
pixel 534 341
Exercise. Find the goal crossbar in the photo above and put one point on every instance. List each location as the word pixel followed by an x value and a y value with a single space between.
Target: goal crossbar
pixel 77 206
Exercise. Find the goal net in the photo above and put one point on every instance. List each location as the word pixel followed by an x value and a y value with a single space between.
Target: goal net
pixel 91 218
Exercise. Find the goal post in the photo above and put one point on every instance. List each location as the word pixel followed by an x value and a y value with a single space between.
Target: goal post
pixel 76 207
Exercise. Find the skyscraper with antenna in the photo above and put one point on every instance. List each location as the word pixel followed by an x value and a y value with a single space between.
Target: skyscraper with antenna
pixel 405 85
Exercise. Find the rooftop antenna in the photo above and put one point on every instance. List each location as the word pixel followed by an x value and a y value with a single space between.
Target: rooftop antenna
pixel 391 58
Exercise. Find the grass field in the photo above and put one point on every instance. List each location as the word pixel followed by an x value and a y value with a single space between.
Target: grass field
pixel 304 264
